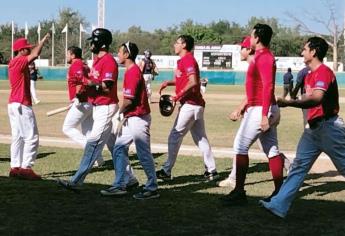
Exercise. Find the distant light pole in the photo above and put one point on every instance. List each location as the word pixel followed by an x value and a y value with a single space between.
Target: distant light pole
pixel 101 10
pixel 39 37
pixel 53 43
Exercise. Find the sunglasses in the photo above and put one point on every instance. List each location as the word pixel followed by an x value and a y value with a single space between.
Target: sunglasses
pixel 127 47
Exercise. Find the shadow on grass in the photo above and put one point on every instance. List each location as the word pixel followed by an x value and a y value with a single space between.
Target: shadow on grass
pixel 43 208
pixel 108 165
pixel 44 154
pixel 5 159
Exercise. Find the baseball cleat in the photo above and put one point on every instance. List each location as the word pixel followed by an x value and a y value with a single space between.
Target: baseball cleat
pixel 211 176
pixel 268 199
pixel 114 191
pixel 68 185
pixel 228 182
pixel 28 174
pixel 161 174
pixel 132 184
pixel 14 172
pixel 235 198
pixel 146 194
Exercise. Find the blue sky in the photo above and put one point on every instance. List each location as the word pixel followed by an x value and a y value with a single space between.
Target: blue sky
pixel 154 14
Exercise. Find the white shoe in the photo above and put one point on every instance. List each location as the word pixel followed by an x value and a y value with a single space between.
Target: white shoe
pixel 99 162
pixel 228 182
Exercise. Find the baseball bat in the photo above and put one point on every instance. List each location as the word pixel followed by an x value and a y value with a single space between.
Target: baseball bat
pixel 58 110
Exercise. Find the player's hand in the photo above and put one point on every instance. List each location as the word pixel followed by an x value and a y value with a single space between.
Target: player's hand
pixel 264 124
pixel 163 86
pixel 282 102
pixel 76 102
pixel 235 115
pixel 46 37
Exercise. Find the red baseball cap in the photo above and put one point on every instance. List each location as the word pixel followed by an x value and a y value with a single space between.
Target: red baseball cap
pixel 245 42
pixel 21 43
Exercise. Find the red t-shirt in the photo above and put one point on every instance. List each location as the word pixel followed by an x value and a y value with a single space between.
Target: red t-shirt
pixel 323 78
pixel 260 80
pixel 135 90
pixel 76 76
pixel 19 77
pixel 187 66
pixel 104 69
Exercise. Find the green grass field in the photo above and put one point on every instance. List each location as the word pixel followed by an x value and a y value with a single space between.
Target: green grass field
pixel 188 205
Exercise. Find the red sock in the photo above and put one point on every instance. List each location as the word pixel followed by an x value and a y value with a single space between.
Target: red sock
pixel 276 164
pixel 242 163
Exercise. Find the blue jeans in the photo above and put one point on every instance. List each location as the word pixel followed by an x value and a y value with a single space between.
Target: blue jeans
pixel 327 136
pixel 135 129
pixel 101 129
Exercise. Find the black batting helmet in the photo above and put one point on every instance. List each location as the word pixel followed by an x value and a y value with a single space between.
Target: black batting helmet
pixel 100 38
pixel 166 105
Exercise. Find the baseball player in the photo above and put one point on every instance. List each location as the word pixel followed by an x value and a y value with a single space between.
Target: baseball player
pixel 136 128
pixel 103 97
pixel 288 83
pixel 149 70
pixel 80 112
pixel 24 144
pixel 260 116
pixel 33 78
pixel 191 113
pixel 247 54
pixel 203 84
pixel 300 86
pixel 327 130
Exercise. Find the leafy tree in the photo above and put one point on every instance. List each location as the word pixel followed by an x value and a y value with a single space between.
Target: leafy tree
pixel 332 25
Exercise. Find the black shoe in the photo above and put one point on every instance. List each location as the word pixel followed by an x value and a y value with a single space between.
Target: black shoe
pixel 268 199
pixel 235 198
pixel 162 175
pixel 211 176
pixel 68 185
pixel 146 194
pixel 132 184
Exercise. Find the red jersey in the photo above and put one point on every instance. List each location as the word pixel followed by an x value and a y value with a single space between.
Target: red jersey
pixel 76 76
pixel 187 66
pixel 135 90
pixel 323 78
pixel 260 80
pixel 19 77
pixel 104 69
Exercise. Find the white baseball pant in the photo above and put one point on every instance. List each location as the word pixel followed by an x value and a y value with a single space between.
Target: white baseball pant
pixel 33 90
pixel 148 80
pixel 190 118
pixel 78 114
pixel 25 139
pixel 250 131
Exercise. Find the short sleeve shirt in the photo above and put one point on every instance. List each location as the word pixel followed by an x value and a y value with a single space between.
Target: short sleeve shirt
pixel 76 76
pixel 134 89
pixel 187 66
pixel 104 69
pixel 19 78
pixel 324 79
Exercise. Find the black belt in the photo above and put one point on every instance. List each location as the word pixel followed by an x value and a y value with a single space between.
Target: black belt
pixel 314 123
